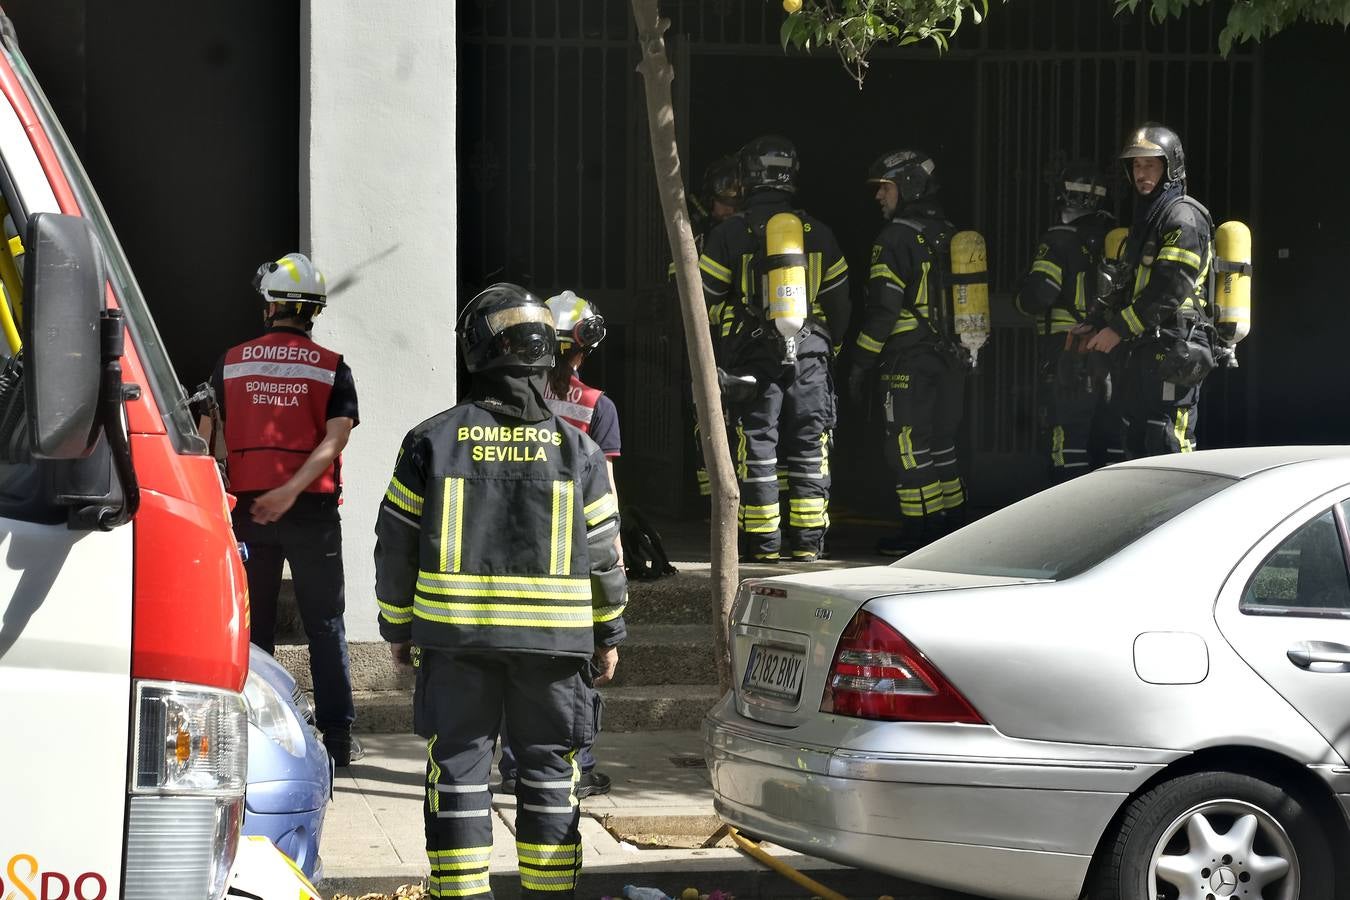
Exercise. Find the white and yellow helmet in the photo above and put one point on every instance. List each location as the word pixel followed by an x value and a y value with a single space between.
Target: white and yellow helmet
pixel 291 279
pixel 577 321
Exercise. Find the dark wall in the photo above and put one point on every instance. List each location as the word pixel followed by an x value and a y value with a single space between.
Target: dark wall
pixel 1301 315
pixel 187 120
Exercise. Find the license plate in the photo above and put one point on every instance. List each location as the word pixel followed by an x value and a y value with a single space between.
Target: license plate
pixel 775 670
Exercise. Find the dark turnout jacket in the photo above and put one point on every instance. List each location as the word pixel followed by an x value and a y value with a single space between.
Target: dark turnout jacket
pixel 498 534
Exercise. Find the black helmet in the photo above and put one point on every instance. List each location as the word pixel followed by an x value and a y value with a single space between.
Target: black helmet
pixel 506 325
pixel 1152 139
pixel 911 171
pixel 768 162
pixel 1080 190
pixel 722 182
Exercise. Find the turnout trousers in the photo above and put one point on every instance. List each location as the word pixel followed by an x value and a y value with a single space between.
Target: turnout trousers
pixel 1078 405
pixel 786 427
pixel 461 698
pixel 309 537
pixel 1158 416
pixel 923 398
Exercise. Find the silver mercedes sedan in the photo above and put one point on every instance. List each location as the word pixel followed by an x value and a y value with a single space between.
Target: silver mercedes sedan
pixel 1135 685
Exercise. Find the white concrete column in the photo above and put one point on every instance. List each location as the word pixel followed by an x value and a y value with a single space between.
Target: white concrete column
pixel 378 211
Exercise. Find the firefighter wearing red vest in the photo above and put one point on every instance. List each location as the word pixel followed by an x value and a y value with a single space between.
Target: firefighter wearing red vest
pixel 288 406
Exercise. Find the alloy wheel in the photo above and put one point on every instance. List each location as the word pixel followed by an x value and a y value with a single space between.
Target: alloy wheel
pixel 1223 849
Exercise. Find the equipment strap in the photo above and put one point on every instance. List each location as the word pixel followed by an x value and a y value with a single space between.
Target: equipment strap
pixel 1224 265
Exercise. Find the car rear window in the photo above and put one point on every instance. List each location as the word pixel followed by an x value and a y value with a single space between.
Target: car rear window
pixel 1068 529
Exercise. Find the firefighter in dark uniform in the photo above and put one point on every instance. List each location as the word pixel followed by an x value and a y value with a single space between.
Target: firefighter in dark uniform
pixel 580 329
pixel 1162 322
pixel 787 417
pixel 719 197
pixel 495 557
pixel 288 406
pixel 907 345
pixel 1059 292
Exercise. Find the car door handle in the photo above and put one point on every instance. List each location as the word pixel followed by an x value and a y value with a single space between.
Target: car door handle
pixel 1331 657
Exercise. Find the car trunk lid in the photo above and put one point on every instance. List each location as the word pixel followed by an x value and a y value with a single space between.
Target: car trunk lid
pixel 784 631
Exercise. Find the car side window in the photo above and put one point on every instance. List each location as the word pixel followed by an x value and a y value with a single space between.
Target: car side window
pixel 1305 575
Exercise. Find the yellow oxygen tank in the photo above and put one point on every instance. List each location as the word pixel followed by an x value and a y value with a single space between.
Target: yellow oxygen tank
pixel 785 278
pixel 970 291
pixel 1115 243
pixel 1233 293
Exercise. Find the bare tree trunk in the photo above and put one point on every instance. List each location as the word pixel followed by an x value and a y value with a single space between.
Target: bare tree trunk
pixel 657 75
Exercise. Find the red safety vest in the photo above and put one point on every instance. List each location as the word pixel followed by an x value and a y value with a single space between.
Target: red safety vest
pixel 578 407
pixel 276 411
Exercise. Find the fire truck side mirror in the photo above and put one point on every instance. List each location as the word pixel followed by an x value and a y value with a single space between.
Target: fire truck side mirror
pixel 64 284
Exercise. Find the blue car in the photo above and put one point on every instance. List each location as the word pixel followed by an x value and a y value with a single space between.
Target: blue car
pixel 290 774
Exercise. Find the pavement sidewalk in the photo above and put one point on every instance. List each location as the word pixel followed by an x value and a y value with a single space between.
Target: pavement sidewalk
pixel 373 837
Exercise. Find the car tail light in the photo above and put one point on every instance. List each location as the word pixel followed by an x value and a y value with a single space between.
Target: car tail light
pixel 877 674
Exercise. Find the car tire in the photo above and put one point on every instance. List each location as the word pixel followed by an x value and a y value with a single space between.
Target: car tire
pixel 1224 833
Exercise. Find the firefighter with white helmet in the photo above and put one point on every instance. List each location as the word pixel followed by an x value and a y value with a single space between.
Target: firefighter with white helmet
pixel 288 406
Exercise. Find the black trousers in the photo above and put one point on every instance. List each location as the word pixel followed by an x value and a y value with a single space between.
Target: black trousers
pixel 1159 416
pixel 923 402
pixel 1079 409
pixel 786 426
pixel 309 537
pixel 459 705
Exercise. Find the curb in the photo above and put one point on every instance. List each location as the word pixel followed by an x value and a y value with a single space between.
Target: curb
pixel 734 875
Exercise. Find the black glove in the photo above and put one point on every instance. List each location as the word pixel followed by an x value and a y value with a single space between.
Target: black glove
pixel 857 380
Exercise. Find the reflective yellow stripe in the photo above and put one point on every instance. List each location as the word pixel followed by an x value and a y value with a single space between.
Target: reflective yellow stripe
pixel 1132 320
pixel 395 615
pixel 599 510
pixel 561 559
pixel 1049 270
pixel 571 588
pixel 834 271
pixel 405 499
pixel 907 322
pixel 483 854
pixel 906 442
pixel 868 344
pixel 813 279
pixel 433 776
pixel 452 524
pixel 714 268
pixel 1183 421
pixel 953 494
pixel 1180 255
pixel 609 614
pixel 760 519
pixel 1057 446
pixel 513 615
pixel 881 270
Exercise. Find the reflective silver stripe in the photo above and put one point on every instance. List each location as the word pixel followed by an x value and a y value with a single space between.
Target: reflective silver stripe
pixel 400 516
pixel 461 788
pixel 610 525
pixel 548 785
pixel 278 370
pixel 549 810
pixel 495 613
pixel 463 813
pixel 522 586
pixel 570 410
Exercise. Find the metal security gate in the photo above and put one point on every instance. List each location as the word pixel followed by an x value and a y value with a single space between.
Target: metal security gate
pixel 557 187
pixel 1041 108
